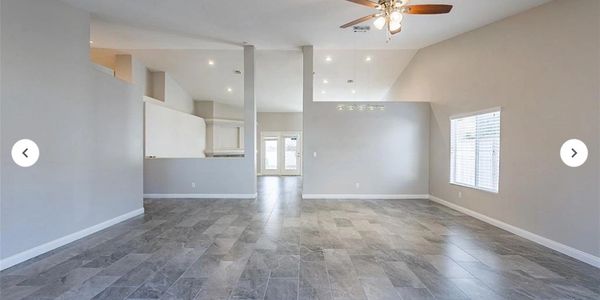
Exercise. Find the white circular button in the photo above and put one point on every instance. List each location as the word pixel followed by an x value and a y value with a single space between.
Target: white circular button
pixel 574 153
pixel 25 153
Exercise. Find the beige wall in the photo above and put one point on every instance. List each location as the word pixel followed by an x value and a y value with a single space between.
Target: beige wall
pixel 104 57
pixel 229 112
pixel 542 68
pixel 216 110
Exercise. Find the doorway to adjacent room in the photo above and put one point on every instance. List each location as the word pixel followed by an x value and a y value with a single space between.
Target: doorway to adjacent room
pixel 281 153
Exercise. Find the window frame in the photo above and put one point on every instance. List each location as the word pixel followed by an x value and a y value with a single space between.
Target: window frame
pixel 471 114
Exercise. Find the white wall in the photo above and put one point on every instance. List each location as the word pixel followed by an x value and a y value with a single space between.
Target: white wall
pixel 542 67
pixel 172 134
pixel 176 97
pixel 87 125
pixel 385 152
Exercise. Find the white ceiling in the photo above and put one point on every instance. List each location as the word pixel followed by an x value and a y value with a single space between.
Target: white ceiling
pixel 280 24
pixel 278 75
pixel 371 78
pixel 180 36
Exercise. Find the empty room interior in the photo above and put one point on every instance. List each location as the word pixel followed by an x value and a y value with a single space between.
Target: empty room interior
pixel 294 149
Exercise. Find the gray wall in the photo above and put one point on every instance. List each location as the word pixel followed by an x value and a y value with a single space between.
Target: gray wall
pixel 213 175
pixel 386 152
pixel 542 68
pixel 87 125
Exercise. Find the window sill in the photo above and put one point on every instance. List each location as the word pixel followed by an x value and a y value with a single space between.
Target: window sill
pixel 474 187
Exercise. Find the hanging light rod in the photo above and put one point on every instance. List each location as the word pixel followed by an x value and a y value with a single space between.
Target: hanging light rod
pixel 360 107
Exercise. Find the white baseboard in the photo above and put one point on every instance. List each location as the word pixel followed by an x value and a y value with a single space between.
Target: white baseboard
pixel 41 249
pixel 366 196
pixel 201 196
pixel 562 248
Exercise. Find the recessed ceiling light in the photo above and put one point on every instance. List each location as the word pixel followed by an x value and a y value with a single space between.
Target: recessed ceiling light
pixel 328 59
pixel 368 58
pixel 229 90
pixel 211 62
pixel 325 81
pixel 353 91
pixel 322 92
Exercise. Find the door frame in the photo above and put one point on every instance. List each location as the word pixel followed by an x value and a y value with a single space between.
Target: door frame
pixel 281 135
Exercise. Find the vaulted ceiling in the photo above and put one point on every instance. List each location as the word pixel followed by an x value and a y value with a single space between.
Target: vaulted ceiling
pixel 164 33
pixel 283 24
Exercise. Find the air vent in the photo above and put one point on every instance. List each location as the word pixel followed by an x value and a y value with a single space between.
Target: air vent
pixel 363 28
pixel 238 72
pixel 350 81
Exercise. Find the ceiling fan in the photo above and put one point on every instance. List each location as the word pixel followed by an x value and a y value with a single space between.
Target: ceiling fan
pixel 390 13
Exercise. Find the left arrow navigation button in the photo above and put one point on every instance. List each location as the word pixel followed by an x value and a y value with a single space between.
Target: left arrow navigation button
pixel 25 153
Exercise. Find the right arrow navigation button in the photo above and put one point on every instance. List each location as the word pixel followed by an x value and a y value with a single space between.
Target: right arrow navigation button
pixel 574 153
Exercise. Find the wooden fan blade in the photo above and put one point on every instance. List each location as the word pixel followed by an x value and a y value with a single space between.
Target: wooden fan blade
pixel 428 9
pixel 364 2
pixel 358 21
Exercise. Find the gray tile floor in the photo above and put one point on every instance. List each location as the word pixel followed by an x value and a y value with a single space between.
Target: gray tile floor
pixel 281 247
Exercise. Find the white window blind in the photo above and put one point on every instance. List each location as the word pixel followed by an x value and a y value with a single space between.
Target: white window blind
pixel 475 150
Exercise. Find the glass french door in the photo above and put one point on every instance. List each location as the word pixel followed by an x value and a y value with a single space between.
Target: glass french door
pixel 271 154
pixel 281 153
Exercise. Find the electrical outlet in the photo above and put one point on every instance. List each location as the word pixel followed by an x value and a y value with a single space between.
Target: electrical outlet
pixel 459 194
pixel 193 184
pixel 357 185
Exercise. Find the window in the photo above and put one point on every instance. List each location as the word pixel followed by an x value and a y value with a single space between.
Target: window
pixel 475 150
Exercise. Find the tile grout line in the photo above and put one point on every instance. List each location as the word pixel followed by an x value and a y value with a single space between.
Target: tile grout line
pixel 267 286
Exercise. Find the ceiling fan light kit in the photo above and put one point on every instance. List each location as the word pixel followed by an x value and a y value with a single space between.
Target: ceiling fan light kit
pixel 391 12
